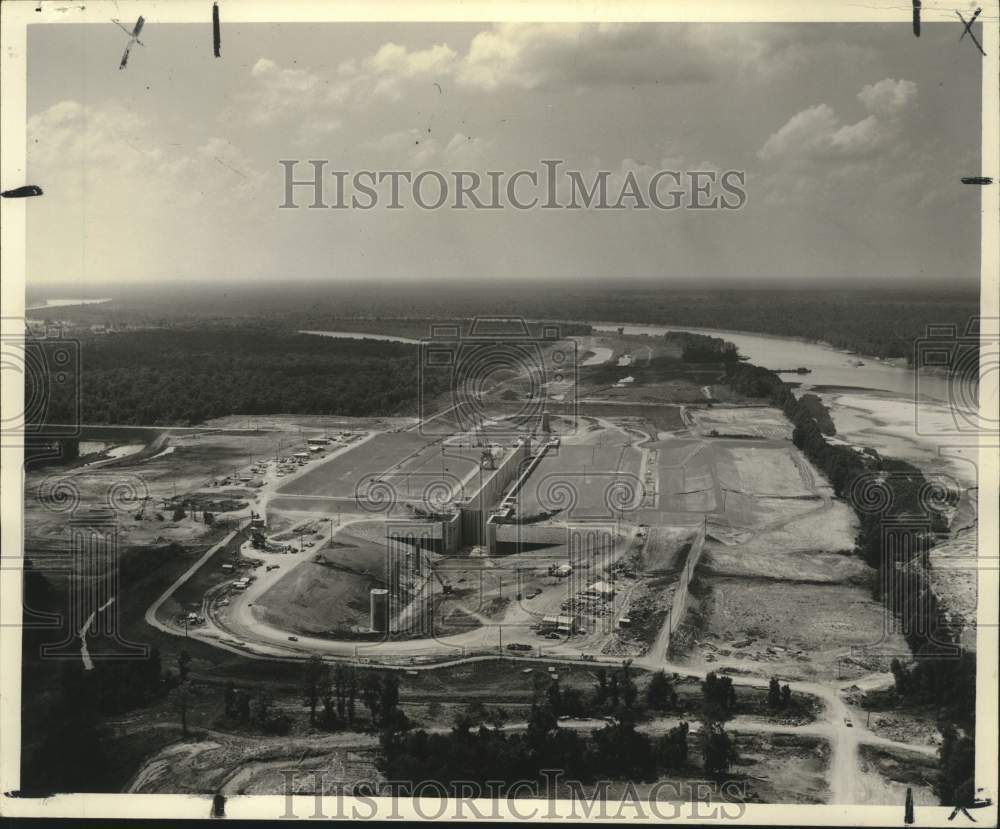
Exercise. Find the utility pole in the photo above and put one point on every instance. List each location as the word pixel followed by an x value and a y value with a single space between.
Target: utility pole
pixel 183 691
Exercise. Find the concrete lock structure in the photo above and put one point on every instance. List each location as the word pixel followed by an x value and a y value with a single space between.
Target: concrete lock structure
pixel 477 510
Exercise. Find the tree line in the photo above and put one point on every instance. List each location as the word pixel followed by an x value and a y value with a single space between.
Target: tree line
pixel 183 376
pixel 894 537
pixel 617 751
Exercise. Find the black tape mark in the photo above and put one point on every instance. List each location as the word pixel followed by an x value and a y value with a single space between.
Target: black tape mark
pixel 968 29
pixel 977 803
pixel 916 18
pixel 25 192
pixel 977 180
pixel 219 806
pixel 216 30
pixel 133 38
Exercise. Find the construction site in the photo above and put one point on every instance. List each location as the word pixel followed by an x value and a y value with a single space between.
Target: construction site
pixel 575 529
pixel 575 525
pixel 603 526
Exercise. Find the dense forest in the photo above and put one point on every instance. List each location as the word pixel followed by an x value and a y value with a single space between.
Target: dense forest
pixel 182 376
pixel 880 323
pixel 488 755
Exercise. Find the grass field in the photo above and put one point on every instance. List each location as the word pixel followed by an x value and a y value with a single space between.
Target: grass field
pixel 769 472
pixel 822 621
pixel 686 477
pixel 341 475
pixel 663 418
pixel 664 547
pixel 592 480
pixel 743 421
pixel 411 465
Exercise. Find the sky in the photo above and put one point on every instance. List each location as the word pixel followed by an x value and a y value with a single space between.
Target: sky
pixel 853 139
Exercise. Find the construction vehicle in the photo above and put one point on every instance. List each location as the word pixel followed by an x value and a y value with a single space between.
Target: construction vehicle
pixel 445 587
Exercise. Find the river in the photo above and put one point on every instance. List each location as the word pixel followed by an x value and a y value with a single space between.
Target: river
pixel 891 408
pixel 66 303
pixel 362 335
pixel 921 417
pixel 828 366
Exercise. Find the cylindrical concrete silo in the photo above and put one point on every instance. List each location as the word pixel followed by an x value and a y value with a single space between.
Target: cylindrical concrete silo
pixel 379 599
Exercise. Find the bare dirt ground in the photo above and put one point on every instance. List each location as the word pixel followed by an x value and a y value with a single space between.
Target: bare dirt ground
pixel 803 631
pixel 664 545
pixel 341 476
pixel 195 459
pixel 887 773
pixel 891 424
pixel 765 561
pixel 953 575
pixel 784 768
pixel 776 768
pixel 233 764
pixel 761 422
pixel 770 472
pixel 323 596
pixel 580 479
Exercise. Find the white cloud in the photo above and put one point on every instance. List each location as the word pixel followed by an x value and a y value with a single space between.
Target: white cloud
pixel 531 56
pixel 535 56
pixel 888 98
pixel 817 133
pixel 393 59
pixel 118 196
pixel 312 104
pixel 405 146
pixel 278 93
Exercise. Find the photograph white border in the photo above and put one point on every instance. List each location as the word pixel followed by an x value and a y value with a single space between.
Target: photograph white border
pixel 16 16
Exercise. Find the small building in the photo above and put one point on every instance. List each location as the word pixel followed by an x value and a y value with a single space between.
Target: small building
pixel 301 454
pixel 559 622
pixel 560 570
pixel 601 590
